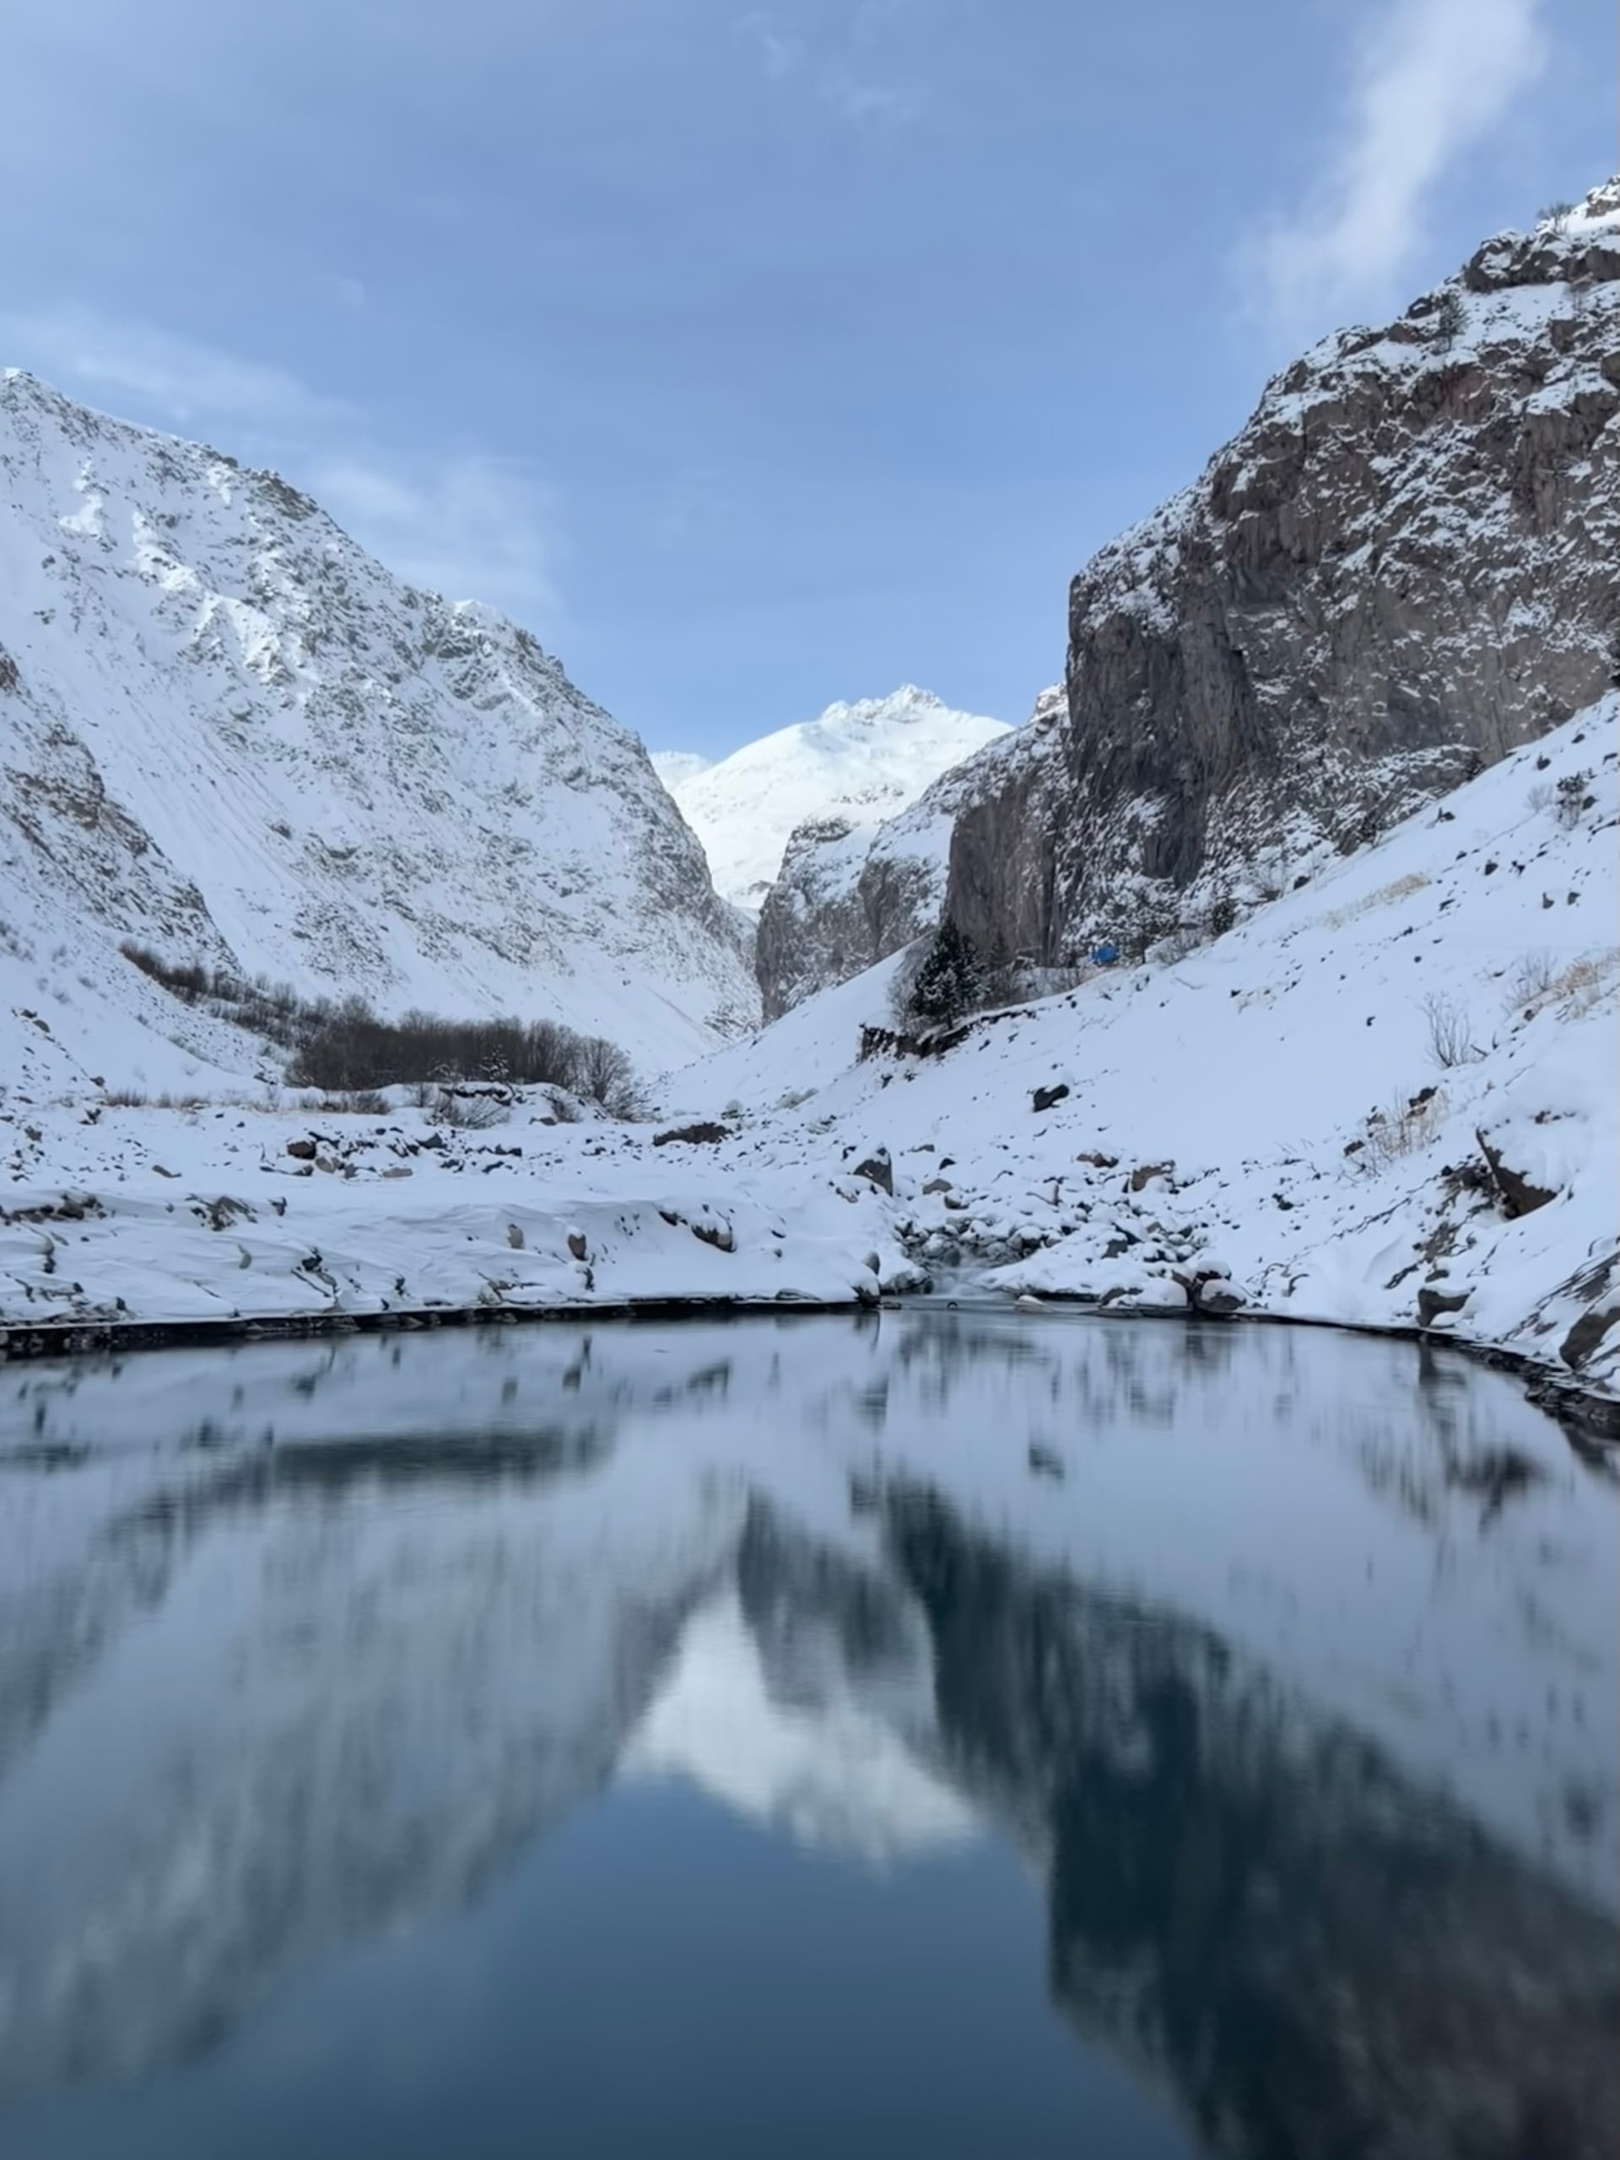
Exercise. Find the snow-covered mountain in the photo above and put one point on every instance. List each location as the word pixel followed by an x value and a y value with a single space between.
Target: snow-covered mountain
pixel 856 765
pixel 228 732
pixel 1401 568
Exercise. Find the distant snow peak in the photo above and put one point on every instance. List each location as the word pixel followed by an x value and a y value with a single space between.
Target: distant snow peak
pixel 674 766
pixel 860 761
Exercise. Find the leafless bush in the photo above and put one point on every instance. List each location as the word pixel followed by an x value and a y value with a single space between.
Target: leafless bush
pixel 468 1112
pixel 1571 799
pixel 344 1048
pixel 1451 1033
pixel 1530 979
pixel 1539 798
pixel 1405 1126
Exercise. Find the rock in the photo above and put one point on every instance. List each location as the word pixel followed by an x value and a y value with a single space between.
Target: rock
pixel 1210 1290
pixel 704 1134
pixel 1145 1173
pixel 304 1150
pixel 1587 1333
pixel 577 1244
pixel 878 1170
pixel 1044 1098
pixel 1045 1461
pixel 1098 1161
pixel 717 1234
pixel 1431 1303
pixel 1518 1195
pixel 514 1236
pixel 938 1185
pixel 1368 593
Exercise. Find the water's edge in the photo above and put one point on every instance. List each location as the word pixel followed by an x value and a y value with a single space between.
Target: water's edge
pixel 1590 1418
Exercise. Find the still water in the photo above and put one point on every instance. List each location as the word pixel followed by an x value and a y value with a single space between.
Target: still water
pixel 937 1732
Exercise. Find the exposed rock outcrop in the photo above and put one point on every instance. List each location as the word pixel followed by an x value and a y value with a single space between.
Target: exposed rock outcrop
pixel 1401 568
pixel 849 894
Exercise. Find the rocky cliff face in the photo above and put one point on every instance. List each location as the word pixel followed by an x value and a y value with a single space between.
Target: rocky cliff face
pixel 228 732
pixel 1404 566
pixel 850 893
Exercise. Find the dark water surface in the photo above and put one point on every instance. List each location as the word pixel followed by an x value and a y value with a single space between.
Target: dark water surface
pixel 946 1733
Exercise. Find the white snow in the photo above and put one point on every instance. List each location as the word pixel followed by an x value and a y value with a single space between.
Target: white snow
pixel 227 732
pixel 860 762
pixel 1277 1076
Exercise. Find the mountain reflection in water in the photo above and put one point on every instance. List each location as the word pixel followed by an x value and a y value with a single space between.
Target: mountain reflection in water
pixel 1285 1664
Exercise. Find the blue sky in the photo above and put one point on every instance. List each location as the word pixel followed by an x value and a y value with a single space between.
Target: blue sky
pixel 754 356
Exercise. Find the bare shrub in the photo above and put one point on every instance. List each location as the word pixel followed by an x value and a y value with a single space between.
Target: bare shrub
pixel 1572 798
pixel 1405 1126
pixel 1539 798
pixel 468 1112
pixel 604 1075
pixel 1530 978
pixel 1451 1033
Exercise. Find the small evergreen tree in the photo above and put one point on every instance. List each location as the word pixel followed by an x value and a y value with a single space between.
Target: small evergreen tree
pixel 1448 320
pixel 949 981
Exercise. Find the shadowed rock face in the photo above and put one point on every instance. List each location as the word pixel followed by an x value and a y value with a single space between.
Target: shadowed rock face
pixel 1317 1959
pixel 1403 566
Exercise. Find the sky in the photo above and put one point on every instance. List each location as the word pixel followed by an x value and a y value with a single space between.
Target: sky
pixel 755 357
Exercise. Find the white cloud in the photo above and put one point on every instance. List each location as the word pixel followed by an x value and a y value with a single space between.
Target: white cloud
pixel 828 76
pixel 1432 77
pixel 462 523
pixel 175 378
pixel 467 526
pixel 780 54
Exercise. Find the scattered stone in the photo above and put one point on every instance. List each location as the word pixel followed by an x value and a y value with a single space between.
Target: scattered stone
pixel 304 1150
pixel 1045 1097
pixel 704 1134
pixel 514 1236
pixel 1145 1173
pixel 1516 1192
pixel 878 1170
pixel 1431 1303
pixel 1585 1336
pixel 939 1184
pixel 577 1245
pixel 717 1234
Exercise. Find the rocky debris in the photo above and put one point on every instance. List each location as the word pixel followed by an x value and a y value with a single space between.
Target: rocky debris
pixel 1431 1303
pixel 1144 1174
pixel 1399 570
pixel 1519 1195
pixel 1587 1334
pixel 712 1230
pixel 1210 1290
pixel 878 1170
pixel 302 1150
pixel 706 1133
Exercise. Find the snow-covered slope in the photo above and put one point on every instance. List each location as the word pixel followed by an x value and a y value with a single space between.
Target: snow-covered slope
pixel 1384 1098
pixel 228 732
pixel 1387 1093
pixel 859 763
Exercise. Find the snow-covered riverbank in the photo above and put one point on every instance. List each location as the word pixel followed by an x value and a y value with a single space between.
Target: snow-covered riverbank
pixel 1383 1099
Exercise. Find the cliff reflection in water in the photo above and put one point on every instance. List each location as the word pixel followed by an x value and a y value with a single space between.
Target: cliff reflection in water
pixel 1287 1662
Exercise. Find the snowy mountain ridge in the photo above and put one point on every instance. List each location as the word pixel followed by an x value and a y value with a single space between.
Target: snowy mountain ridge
pixel 855 765
pixel 227 732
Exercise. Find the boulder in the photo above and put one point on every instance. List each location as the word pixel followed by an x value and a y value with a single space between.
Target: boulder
pixel 878 1170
